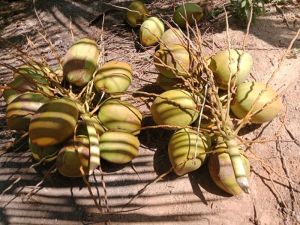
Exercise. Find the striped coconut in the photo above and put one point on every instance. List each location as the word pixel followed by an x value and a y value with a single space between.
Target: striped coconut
pixel 264 102
pixel 75 154
pixel 151 31
pixel 234 65
pixel 175 108
pixel 20 111
pixel 80 62
pixel 113 77
pixel 187 150
pixel 118 147
pixel 172 61
pixel 54 122
pixel 117 115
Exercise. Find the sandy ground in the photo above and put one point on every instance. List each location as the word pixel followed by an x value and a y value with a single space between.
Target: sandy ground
pixel 192 199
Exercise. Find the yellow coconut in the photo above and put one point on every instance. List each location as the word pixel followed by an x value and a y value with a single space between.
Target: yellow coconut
pixel 73 156
pixel 113 77
pixel 187 150
pixel 234 64
pixel 46 154
pixel 20 111
pixel 53 123
pixel 172 61
pixel 151 31
pixel 136 14
pixel 188 12
pixel 172 36
pixel 9 95
pixel 117 115
pixel 27 79
pixel 264 100
pixel 80 61
pixel 174 107
pixel 118 147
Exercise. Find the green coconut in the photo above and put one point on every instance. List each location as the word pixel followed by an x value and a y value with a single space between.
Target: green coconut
pixel 168 83
pixel 172 61
pixel 30 82
pixel 172 36
pixel 117 115
pixel 118 147
pixel 54 122
pixel 27 79
pixel 9 95
pixel 32 71
pixel 72 156
pixel 20 111
pixel 48 154
pixel 267 102
pixel 187 150
pixel 174 107
pixel 136 14
pixel 80 62
pixel 113 77
pixel 151 31
pixel 234 64
pixel 221 170
pixel 188 12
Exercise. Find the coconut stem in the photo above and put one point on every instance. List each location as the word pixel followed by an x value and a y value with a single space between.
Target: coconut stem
pixel 237 164
pixel 94 143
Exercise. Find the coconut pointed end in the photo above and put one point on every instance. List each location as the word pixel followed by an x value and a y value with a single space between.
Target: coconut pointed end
pixel 244 184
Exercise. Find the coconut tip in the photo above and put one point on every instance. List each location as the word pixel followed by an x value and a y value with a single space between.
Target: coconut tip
pixel 244 184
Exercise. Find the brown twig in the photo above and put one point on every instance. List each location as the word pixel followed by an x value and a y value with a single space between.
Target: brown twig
pixel 158 178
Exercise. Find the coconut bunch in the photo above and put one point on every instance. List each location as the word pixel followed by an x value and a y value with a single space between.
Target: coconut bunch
pixel 152 28
pixel 74 116
pixel 207 100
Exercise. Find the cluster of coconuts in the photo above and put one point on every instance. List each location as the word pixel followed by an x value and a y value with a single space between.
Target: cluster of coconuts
pixel 59 127
pixel 152 28
pixel 176 107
